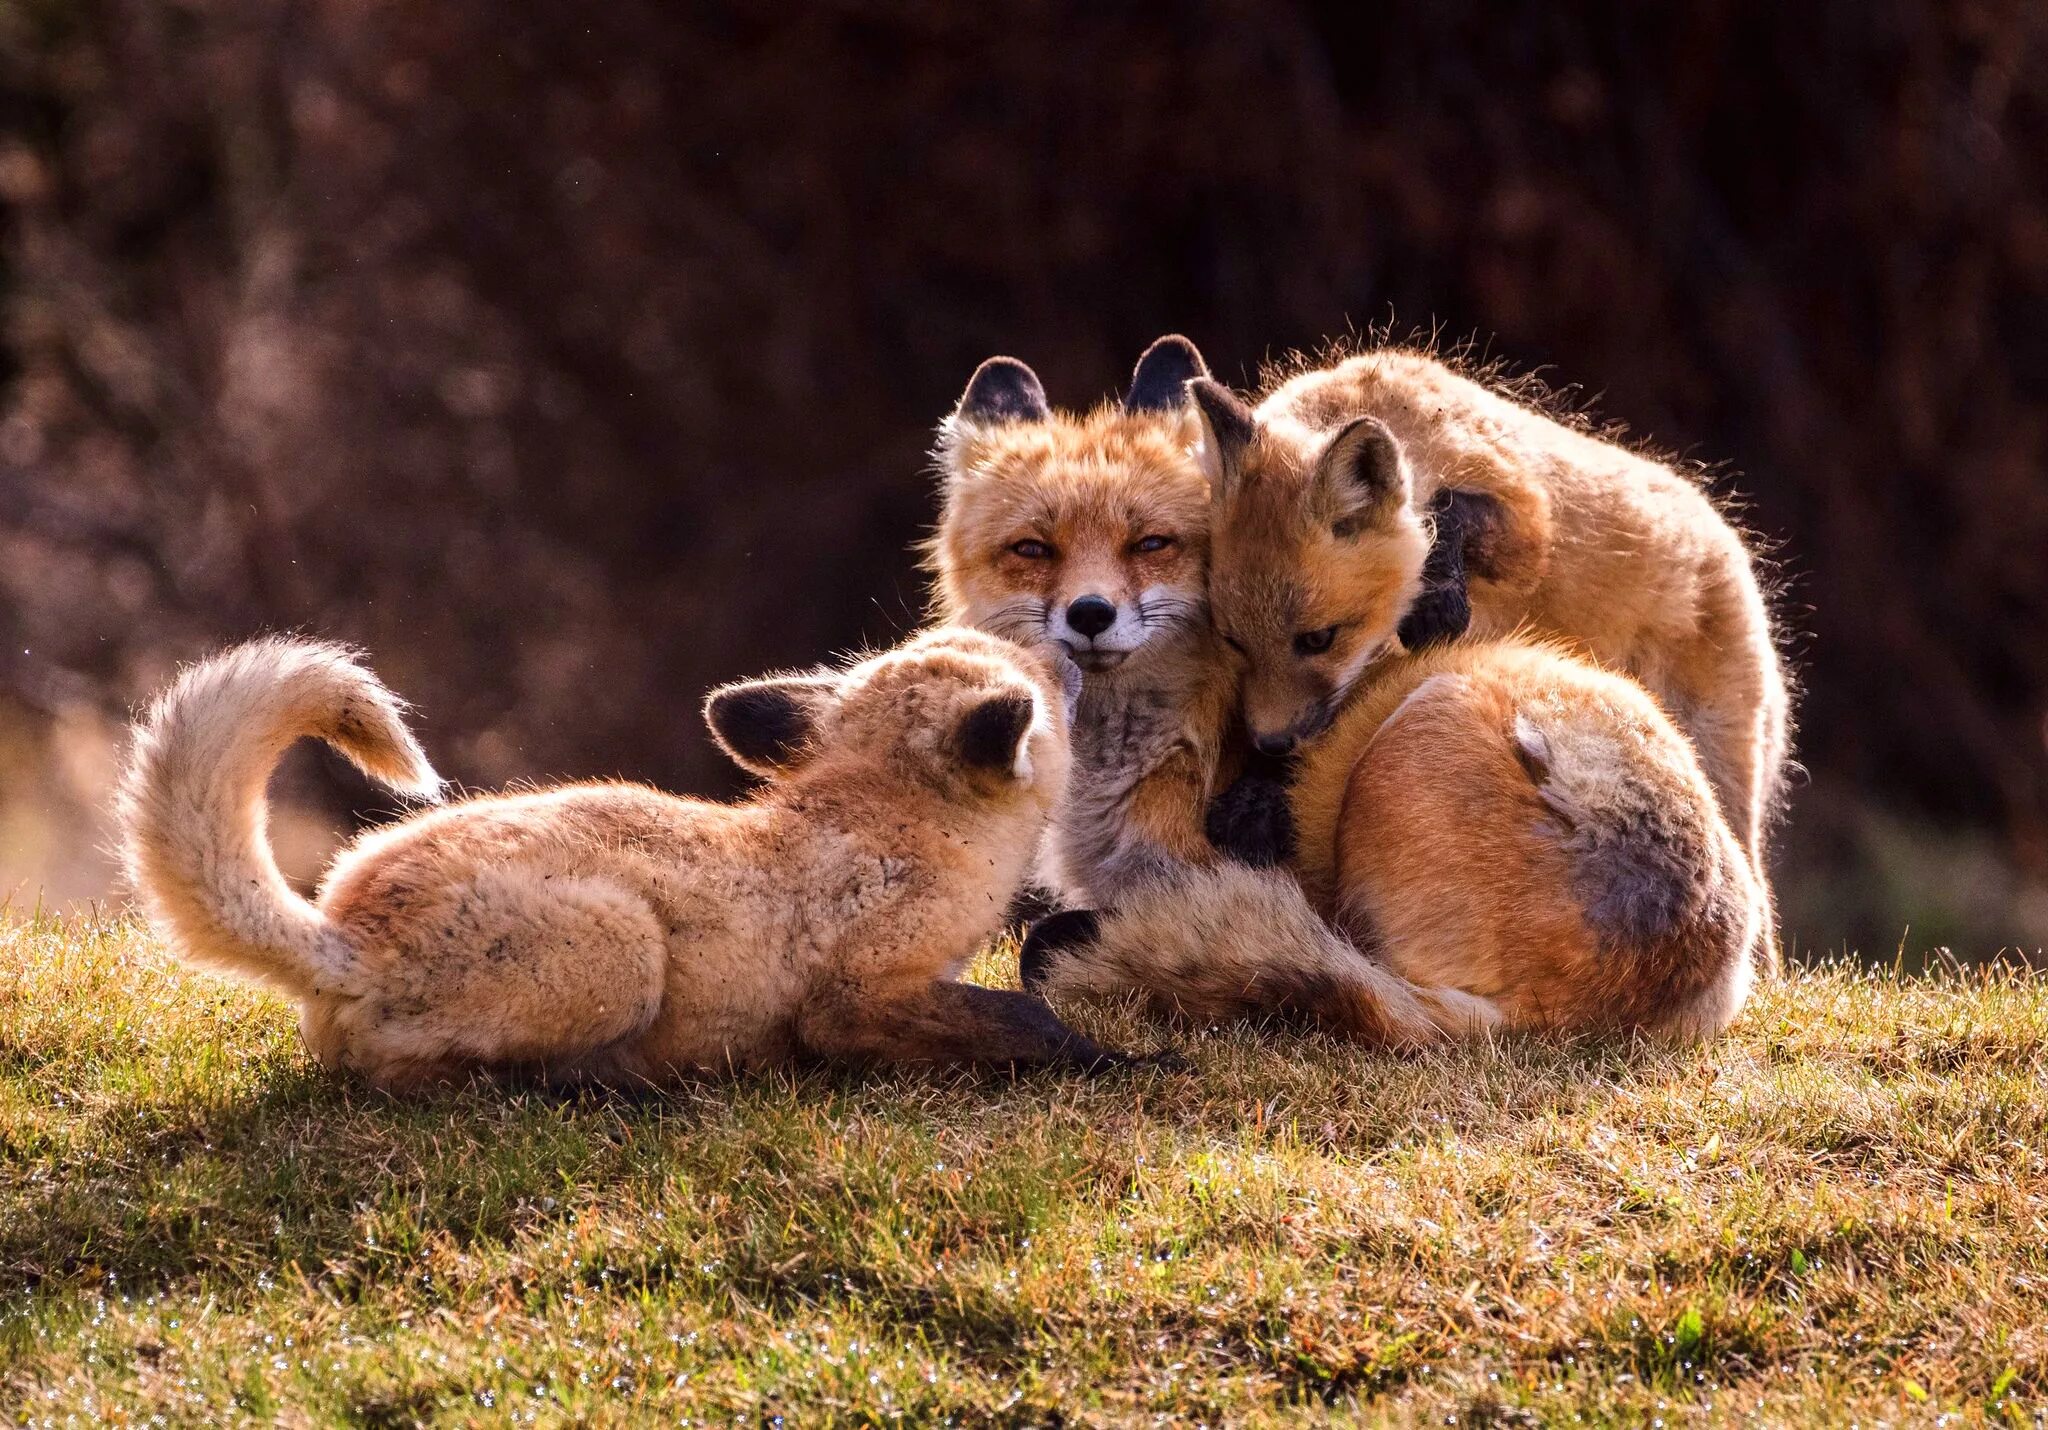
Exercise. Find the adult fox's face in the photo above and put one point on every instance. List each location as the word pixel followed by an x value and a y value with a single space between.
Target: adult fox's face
pixel 1087 535
pixel 1317 554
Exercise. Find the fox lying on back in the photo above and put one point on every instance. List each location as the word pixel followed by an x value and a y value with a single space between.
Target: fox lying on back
pixel 610 932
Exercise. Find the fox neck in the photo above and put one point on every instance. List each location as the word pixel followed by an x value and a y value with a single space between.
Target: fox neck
pixel 852 803
pixel 1168 666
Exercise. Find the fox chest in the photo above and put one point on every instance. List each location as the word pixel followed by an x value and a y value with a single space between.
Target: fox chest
pixel 1121 737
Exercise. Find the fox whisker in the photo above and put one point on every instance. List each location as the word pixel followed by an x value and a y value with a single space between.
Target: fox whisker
pixel 1170 612
pixel 1023 619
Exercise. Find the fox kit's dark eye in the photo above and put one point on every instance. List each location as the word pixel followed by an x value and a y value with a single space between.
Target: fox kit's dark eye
pixel 1149 544
pixel 1314 642
pixel 1031 550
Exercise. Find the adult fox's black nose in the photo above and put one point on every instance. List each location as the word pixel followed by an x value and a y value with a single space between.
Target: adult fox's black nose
pixel 1091 615
pixel 1274 745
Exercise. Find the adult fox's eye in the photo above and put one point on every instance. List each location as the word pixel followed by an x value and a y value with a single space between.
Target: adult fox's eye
pixel 1031 550
pixel 1314 642
pixel 1149 544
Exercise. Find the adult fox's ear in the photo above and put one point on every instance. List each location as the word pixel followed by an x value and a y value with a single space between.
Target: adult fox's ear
pixel 770 726
pixel 991 734
pixel 1228 430
pixel 1159 383
pixel 1362 480
pixel 1002 390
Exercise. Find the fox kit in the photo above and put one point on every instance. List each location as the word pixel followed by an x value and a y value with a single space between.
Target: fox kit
pixel 1538 525
pixel 1087 537
pixel 1491 833
pixel 610 932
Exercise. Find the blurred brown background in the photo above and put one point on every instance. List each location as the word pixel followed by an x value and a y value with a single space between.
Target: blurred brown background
pixel 575 357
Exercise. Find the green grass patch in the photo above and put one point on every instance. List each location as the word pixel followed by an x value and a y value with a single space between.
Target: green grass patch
pixel 1838 1212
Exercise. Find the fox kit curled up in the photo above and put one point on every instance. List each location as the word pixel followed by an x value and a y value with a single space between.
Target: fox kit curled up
pixel 1538 526
pixel 1504 835
pixel 610 932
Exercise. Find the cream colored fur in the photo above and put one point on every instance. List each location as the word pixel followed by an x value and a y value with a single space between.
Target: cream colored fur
pixel 610 931
pixel 192 811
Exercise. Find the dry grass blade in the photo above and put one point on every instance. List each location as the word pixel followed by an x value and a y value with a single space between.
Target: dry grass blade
pixel 1838 1213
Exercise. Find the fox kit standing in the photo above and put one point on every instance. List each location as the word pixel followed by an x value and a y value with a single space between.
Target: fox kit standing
pixel 1548 528
pixel 611 932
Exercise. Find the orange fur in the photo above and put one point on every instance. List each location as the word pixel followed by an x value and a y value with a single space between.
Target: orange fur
pixel 1529 843
pixel 1596 545
pixel 1548 794
pixel 1154 723
pixel 1494 835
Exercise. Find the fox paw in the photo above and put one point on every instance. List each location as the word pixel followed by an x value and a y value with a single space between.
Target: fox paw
pixel 1253 822
pixel 1029 904
pixel 1441 613
pixel 1049 938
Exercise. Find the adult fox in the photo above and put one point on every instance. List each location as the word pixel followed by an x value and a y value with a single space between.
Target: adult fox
pixel 1644 912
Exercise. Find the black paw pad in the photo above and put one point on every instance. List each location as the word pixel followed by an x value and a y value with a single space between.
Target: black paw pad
pixel 1049 936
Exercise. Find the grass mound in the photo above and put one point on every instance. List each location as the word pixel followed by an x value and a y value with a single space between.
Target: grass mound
pixel 1840 1211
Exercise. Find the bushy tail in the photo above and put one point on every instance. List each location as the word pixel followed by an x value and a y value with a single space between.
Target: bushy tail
pixel 192 812
pixel 1233 942
pixel 1639 831
pixel 1656 872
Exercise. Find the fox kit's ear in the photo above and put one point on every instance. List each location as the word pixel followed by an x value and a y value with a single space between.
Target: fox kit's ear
pixel 767 725
pixel 991 735
pixel 1002 390
pixel 1362 478
pixel 1160 381
pixel 1228 429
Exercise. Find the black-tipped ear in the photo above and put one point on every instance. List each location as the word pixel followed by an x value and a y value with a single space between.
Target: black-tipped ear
pixel 1003 390
pixel 767 725
pixel 1228 429
pixel 990 733
pixel 1159 383
pixel 1362 476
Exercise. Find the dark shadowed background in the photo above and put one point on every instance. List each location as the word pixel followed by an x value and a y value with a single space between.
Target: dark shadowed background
pixel 575 357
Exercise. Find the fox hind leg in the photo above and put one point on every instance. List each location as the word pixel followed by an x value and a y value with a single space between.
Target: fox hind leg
pixel 516 968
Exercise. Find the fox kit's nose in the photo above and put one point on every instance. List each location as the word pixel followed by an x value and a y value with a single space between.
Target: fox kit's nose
pixel 1091 616
pixel 1274 745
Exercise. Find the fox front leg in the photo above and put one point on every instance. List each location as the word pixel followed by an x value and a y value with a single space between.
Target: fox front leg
pixel 1253 820
pixel 953 1024
pixel 1443 610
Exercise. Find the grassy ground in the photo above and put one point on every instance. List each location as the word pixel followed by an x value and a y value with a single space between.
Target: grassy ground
pixel 1841 1211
